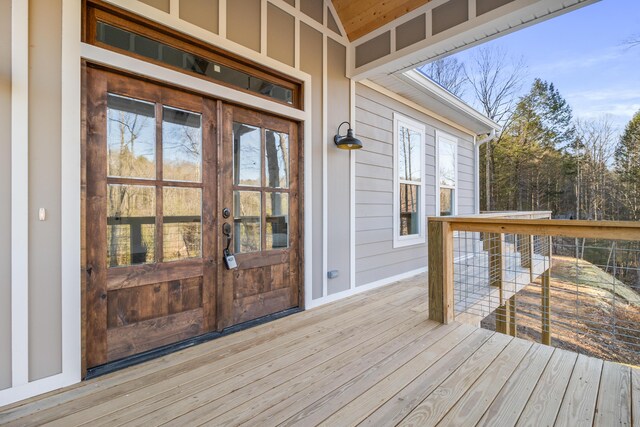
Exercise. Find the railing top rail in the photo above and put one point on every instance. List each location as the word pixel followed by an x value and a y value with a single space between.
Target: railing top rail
pixel 612 230
pixel 512 214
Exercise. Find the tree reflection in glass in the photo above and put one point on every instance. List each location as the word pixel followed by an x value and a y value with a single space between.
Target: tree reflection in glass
pixel 131 138
pixel 181 145
pixel 277 212
pixel 130 224
pixel 246 155
pixel 277 159
pixel 247 214
pixel 410 176
pixel 182 230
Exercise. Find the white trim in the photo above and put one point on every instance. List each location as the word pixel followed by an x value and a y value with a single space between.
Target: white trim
pixel 19 193
pixel 352 189
pixel 174 8
pixel 476 177
pixel 34 388
pixel 222 19
pixel 450 139
pixel 398 240
pixel 325 143
pixel 338 21
pixel 415 106
pixel 263 27
pixel 207 36
pixel 446 97
pixel 363 288
pixel 70 160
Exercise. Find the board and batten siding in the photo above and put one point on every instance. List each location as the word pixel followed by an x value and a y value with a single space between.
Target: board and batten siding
pixel 376 258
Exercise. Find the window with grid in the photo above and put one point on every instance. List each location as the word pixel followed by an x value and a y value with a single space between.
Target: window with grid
pixel 409 164
pixel 154 182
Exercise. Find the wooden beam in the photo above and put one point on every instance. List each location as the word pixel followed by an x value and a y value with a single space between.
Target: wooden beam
pixel 441 304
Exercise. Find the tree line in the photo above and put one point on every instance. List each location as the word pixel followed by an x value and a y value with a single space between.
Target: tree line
pixel 544 158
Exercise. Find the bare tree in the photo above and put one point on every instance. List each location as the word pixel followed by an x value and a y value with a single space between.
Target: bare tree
pixel 595 147
pixel 496 79
pixel 449 73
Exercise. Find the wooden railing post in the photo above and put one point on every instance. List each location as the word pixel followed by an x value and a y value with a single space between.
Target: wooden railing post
pixel 546 298
pixel 496 261
pixel 441 304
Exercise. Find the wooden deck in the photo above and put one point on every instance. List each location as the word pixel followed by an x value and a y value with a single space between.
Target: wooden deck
pixel 372 359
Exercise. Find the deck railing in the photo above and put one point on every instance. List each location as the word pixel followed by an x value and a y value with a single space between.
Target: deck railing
pixel 573 284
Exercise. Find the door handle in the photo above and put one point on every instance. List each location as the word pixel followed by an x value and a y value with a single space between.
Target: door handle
pixel 229 259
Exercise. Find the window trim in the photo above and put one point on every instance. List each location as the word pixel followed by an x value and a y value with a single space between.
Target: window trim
pixel 440 136
pixel 420 238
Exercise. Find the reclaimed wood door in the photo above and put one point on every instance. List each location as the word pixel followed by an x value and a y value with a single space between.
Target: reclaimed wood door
pixel 260 190
pixel 151 192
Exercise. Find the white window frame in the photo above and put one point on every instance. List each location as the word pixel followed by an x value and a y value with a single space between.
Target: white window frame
pixel 420 238
pixel 449 139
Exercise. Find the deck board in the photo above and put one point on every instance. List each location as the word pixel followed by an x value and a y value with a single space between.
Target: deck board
pixel 373 359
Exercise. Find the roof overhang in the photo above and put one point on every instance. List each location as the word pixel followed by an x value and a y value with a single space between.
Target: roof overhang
pixel 416 87
pixel 441 27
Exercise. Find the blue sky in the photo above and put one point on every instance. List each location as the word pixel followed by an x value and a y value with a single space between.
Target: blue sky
pixel 583 54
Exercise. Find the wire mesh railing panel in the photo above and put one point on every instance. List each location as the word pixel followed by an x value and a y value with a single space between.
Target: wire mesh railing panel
pixel 581 295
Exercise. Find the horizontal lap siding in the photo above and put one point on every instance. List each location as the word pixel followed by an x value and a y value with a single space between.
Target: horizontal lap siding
pixel 376 259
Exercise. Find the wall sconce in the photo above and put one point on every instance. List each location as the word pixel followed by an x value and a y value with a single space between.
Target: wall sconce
pixel 347 142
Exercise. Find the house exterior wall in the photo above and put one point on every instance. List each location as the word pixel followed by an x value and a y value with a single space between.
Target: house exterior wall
pixel 45 324
pixel 5 193
pixel 376 258
pixel 340 188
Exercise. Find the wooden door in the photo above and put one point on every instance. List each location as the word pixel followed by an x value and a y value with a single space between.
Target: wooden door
pixel 150 216
pixel 259 185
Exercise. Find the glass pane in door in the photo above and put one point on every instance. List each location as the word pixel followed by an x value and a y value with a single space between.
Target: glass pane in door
pixel 181 145
pixel 131 224
pixel 246 155
pixel 181 217
pixel 277 212
pixel 131 138
pixel 276 154
pixel 247 218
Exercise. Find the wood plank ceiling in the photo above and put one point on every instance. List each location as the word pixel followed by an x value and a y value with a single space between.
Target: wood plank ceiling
pixel 360 17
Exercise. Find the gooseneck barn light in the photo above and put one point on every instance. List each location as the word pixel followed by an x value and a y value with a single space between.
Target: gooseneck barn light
pixel 347 142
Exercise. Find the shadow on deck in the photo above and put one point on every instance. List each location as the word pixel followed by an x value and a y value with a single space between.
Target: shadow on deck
pixel 373 359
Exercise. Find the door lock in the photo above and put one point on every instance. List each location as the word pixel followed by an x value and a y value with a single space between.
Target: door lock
pixel 226 213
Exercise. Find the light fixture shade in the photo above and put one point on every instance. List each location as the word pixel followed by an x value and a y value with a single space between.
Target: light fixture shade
pixel 348 142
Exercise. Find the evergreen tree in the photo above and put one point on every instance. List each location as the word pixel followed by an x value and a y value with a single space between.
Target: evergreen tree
pixel 627 167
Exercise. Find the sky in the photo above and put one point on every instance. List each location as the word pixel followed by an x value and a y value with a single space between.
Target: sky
pixel 584 54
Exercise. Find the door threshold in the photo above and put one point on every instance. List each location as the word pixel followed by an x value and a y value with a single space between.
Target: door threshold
pixel 139 358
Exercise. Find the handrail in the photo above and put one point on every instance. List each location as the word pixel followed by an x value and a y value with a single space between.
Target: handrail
pixel 441 235
pixel 614 230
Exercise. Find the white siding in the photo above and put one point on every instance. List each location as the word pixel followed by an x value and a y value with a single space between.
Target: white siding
pixel 376 259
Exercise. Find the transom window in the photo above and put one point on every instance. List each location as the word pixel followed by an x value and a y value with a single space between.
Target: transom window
pixel 154 182
pixel 409 164
pixel 261 188
pixel 146 40
pixel 447 174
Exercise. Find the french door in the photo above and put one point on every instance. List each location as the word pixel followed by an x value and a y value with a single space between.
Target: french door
pixel 165 171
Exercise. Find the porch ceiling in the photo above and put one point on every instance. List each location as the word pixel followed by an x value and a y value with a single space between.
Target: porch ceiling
pixel 360 17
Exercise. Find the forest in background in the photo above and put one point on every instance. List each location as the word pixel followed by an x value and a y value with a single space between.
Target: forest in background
pixel 544 158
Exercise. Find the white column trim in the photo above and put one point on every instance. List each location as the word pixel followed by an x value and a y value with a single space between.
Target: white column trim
pixel 352 188
pixel 325 143
pixel 174 8
pixel 70 191
pixel 19 193
pixel 263 27
pixel 222 18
